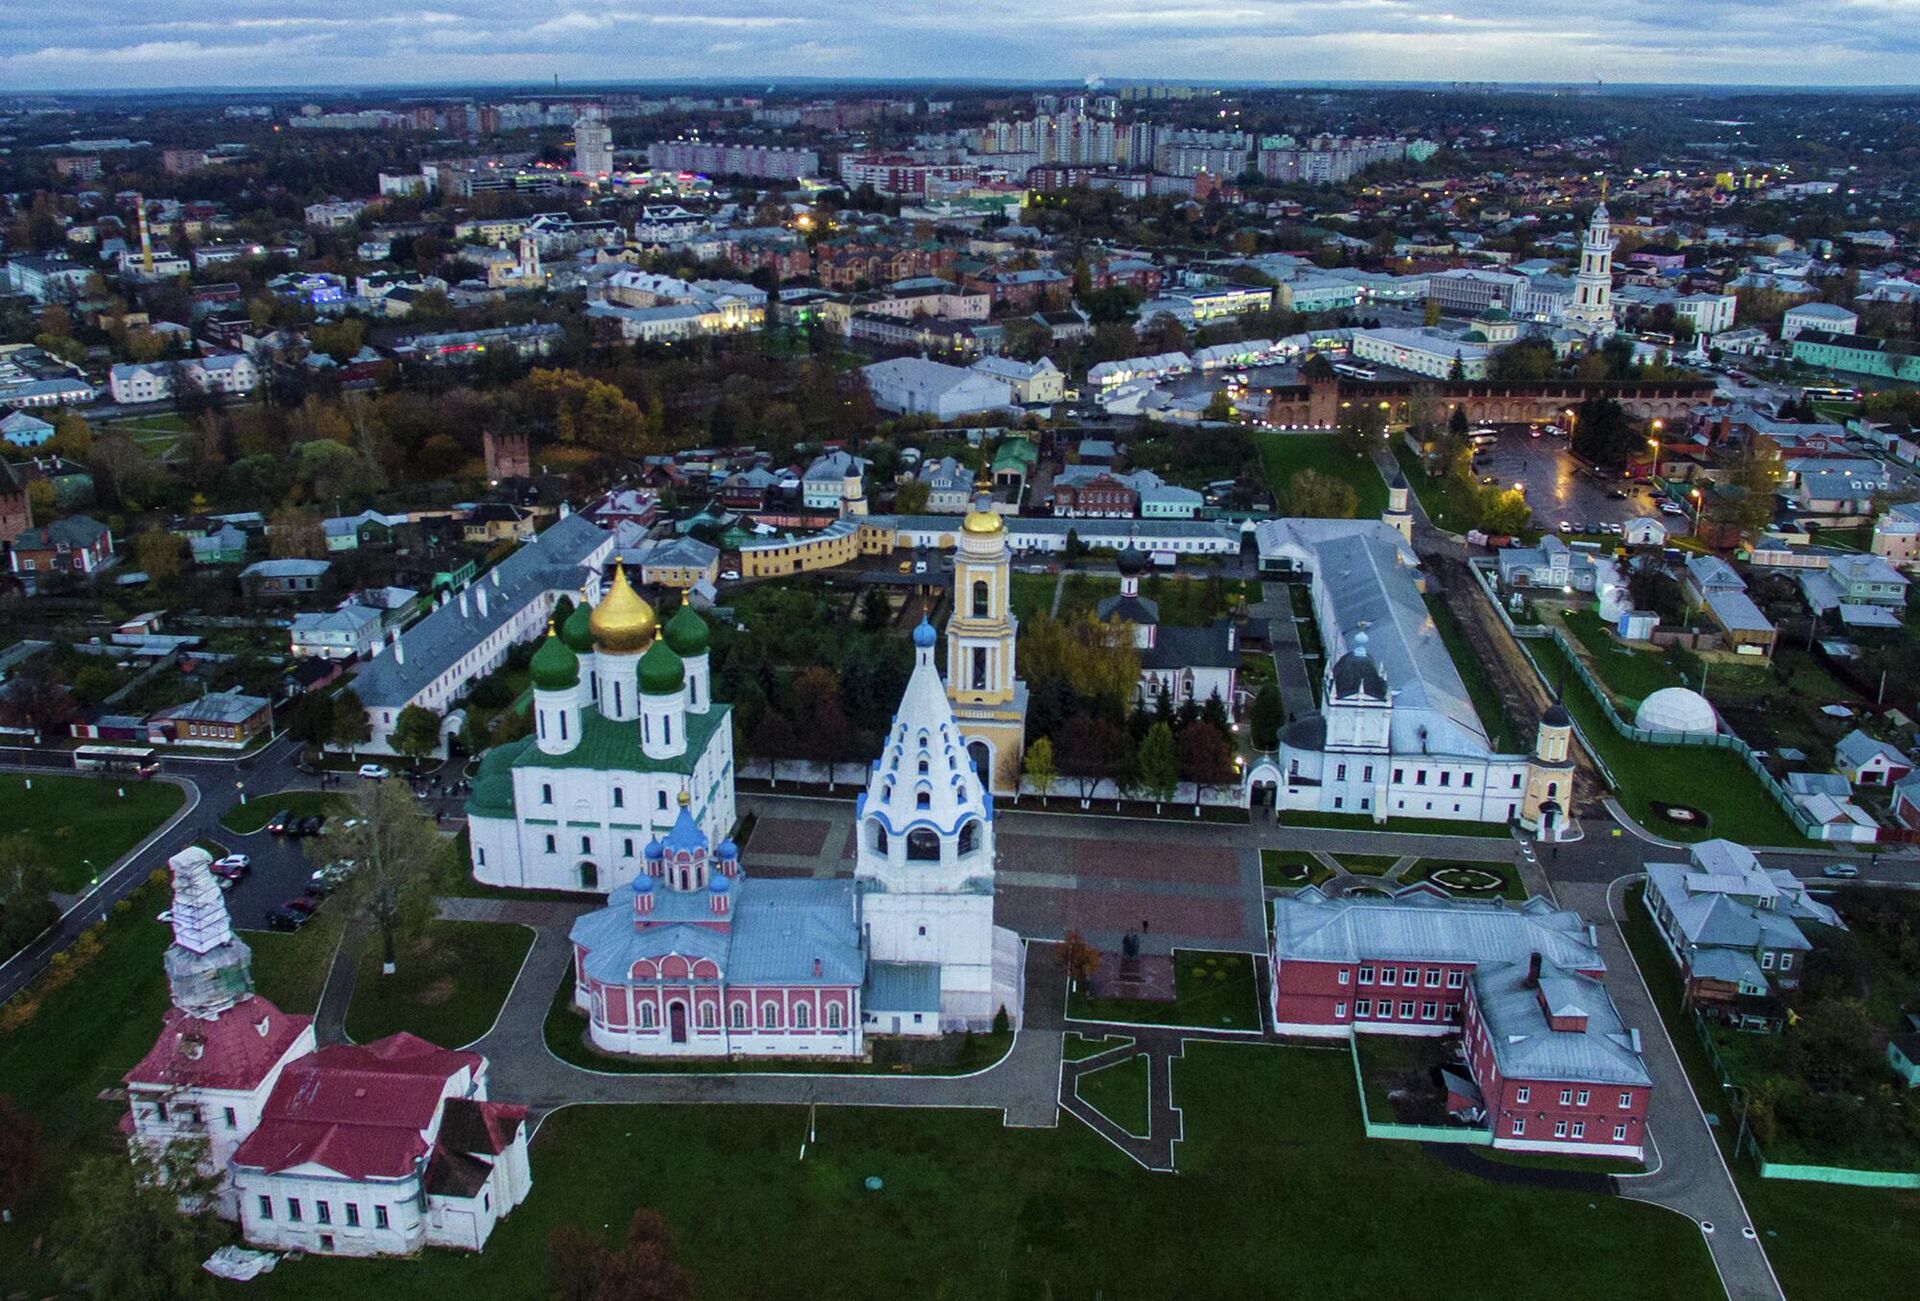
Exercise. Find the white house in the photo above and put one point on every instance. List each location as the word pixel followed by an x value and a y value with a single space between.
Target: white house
pixel 350 632
pixel 1031 381
pixel 914 386
pixel 1817 316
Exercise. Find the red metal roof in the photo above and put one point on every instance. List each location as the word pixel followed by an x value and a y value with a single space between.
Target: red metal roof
pixel 235 1050
pixel 362 1111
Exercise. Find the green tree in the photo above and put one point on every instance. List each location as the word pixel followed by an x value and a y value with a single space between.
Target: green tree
pixel 157 554
pixel 1219 408
pixel 393 847
pixel 910 498
pixel 1603 432
pixel 1205 758
pixel 309 720
pixel 1313 495
pixel 1431 316
pixel 1458 370
pixel 416 732
pixel 875 611
pixel 1040 772
pixel 125 1234
pixel 25 886
pixel 1505 510
pixel 352 728
pixel 1157 767
pixel 1266 717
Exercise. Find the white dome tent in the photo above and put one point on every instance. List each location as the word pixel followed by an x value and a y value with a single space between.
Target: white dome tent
pixel 1679 710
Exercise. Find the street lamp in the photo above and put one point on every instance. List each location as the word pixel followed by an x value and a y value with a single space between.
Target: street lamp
pixel 1654 443
pixel 240 788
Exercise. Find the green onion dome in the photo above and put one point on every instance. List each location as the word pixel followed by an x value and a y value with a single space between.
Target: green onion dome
pixel 577 631
pixel 687 633
pixel 661 672
pixel 555 667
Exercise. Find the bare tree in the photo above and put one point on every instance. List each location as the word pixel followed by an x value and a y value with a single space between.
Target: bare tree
pixel 392 846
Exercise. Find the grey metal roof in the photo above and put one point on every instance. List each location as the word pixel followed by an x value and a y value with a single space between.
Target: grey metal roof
pixel 216 707
pixel 1310 926
pixel 902 987
pixel 286 569
pixel 1527 1047
pixel 554 561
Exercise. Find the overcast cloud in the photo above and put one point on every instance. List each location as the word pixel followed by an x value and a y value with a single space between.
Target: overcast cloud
pixel 118 43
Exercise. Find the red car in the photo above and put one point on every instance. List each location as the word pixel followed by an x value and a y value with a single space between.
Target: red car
pixel 302 904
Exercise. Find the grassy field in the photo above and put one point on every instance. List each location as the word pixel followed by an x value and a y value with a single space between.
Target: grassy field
pixel 1291 867
pixel 1508 888
pixel 71 820
pixel 1031 594
pixel 1630 674
pixel 447 986
pixel 1084 591
pixel 1216 990
pixel 82 1037
pixel 289 969
pixel 1409 826
pixel 1284 455
pixel 1449 503
pixel 970 1209
pixel 1717 782
pixel 243 819
pixel 1079 1047
pixel 1118 1092
pixel 1825 1241
pixel 1486 701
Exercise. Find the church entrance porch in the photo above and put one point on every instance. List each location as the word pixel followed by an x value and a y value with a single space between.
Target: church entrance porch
pixel 677 1022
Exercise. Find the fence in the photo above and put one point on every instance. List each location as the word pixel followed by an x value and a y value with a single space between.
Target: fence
pixel 1409 1133
pixel 1718 741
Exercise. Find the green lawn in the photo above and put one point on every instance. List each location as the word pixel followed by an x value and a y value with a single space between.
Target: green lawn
pixel 243 819
pixel 82 1038
pixel 1717 782
pixel 952 1054
pixel 1409 826
pixel 1449 503
pixel 289 969
pixel 1118 1092
pixel 1630 674
pixel 1284 455
pixel 71 820
pixel 1291 867
pixel 1217 990
pixel 1031 594
pixel 1083 592
pixel 1367 864
pixel 1079 1047
pixel 1825 1241
pixel 1486 701
pixel 447 986
pixel 972 1210
pixel 1509 887
pixel 1196 602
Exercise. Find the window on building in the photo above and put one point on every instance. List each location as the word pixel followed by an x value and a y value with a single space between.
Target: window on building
pixel 1522 1094
pixel 1579 1129
pixel 1516 781
pixel 1446 778
pixel 266 1207
pixel 833 1016
pixel 1619 1133
pixel 1626 1100
pixel 1559 1129
pixel 1363 1007
pixel 1466 779
pixel 586 844
pixel 552 845
pixel 233 1121
pixel 923 845
pixel 1786 962
pixel 1399 775
pixel 739 1016
pixel 1419 776
pixel 1583 1097
pixel 1406 1009
pixel 1566 1097
pixel 1519 1126
pixel 619 798
pixel 979 668
pixel 1340 1010
pixel 1410 977
pixel 1340 773
pixel 1456 979
pixel 546 792
pixel 646 1016
pixel 1366 975
pixel 707 1016
pixel 626 846
pixel 293 1209
pixel 1389 975
pixel 1366 773
pixel 980 599
pixel 1453 1011
pixel 969 836
pixel 323 1212
pixel 353 1215
pixel 802 1017
pixel 1428 1011
pixel 1433 977
pixel 1344 973
pixel 770 1015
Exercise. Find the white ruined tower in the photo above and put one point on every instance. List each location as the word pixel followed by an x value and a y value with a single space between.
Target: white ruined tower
pixel 925 863
pixel 1591 311
pixel 209 968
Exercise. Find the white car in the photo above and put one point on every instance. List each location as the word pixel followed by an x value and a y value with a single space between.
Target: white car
pixel 232 863
pixel 730 576
pixel 375 771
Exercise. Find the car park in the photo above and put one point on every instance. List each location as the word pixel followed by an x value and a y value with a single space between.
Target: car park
pixel 311 825
pixel 303 903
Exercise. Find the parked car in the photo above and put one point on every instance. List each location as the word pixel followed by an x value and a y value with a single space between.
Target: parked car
pixel 238 864
pixel 282 919
pixel 277 824
pixel 311 825
pixel 729 575
pixel 325 880
pixel 1566 526
pixel 1618 494
pixel 375 771
pixel 302 903
pixel 1840 871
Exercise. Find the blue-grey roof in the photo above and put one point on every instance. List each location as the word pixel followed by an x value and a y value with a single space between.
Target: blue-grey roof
pixel 1527 1047
pixel 1309 926
pixel 554 561
pixel 216 707
pixel 286 569
pixel 903 987
pixel 776 930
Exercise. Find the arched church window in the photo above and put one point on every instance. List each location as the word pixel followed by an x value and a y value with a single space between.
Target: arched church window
pixel 879 838
pixel 833 1016
pixel 803 1017
pixel 739 1016
pixel 706 1016
pixel 980 599
pixel 770 1015
pixel 969 836
pixel 922 799
pixel 923 846
pixel 646 1016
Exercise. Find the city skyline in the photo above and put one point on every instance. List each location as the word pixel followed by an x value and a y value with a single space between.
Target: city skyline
pixel 238 43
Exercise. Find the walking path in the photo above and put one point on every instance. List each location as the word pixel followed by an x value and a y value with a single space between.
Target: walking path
pixel 1692 1177
pixel 1283 635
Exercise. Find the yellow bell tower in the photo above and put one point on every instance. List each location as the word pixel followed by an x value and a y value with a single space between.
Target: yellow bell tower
pixel 989 701
pixel 1547 810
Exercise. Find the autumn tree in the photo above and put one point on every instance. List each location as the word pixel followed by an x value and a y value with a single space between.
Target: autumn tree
pixel 138 1224
pixel 393 846
pixel 1313 495
pixel 1080 958
pixel 1092 750
pixel 1039 769
pixel 156 553
pixel 416 732
pixel 25 884
pixel 1205 759
pixel 295 534
pixel 352 728
pixel 37 699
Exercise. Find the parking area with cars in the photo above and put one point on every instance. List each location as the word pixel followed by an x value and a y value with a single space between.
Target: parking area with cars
pixel 1565 495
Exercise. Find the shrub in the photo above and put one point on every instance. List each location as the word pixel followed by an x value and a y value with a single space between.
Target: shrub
pixel 1001 1022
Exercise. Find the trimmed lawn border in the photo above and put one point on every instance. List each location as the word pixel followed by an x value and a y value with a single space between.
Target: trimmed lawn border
pixel 1367 864
pixel 1229 998
pixel 450 994
pixel 1119 1092
pixel 1077 1047
pixel 1510 887
pixel 1291 868
pixel 1400 826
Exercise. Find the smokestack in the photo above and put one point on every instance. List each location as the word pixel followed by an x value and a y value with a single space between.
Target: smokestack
pixel 146 240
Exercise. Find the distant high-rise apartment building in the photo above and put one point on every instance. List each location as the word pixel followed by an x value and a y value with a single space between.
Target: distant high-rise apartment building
pixel 767 162
pixel 592 148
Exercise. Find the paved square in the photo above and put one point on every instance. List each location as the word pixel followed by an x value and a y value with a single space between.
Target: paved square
pixel 789 837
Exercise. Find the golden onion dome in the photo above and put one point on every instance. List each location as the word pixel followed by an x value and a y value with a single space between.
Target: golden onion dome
pixel 982 522
pixel 622 622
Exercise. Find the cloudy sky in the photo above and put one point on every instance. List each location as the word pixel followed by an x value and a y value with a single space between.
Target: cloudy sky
pixel 46 45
